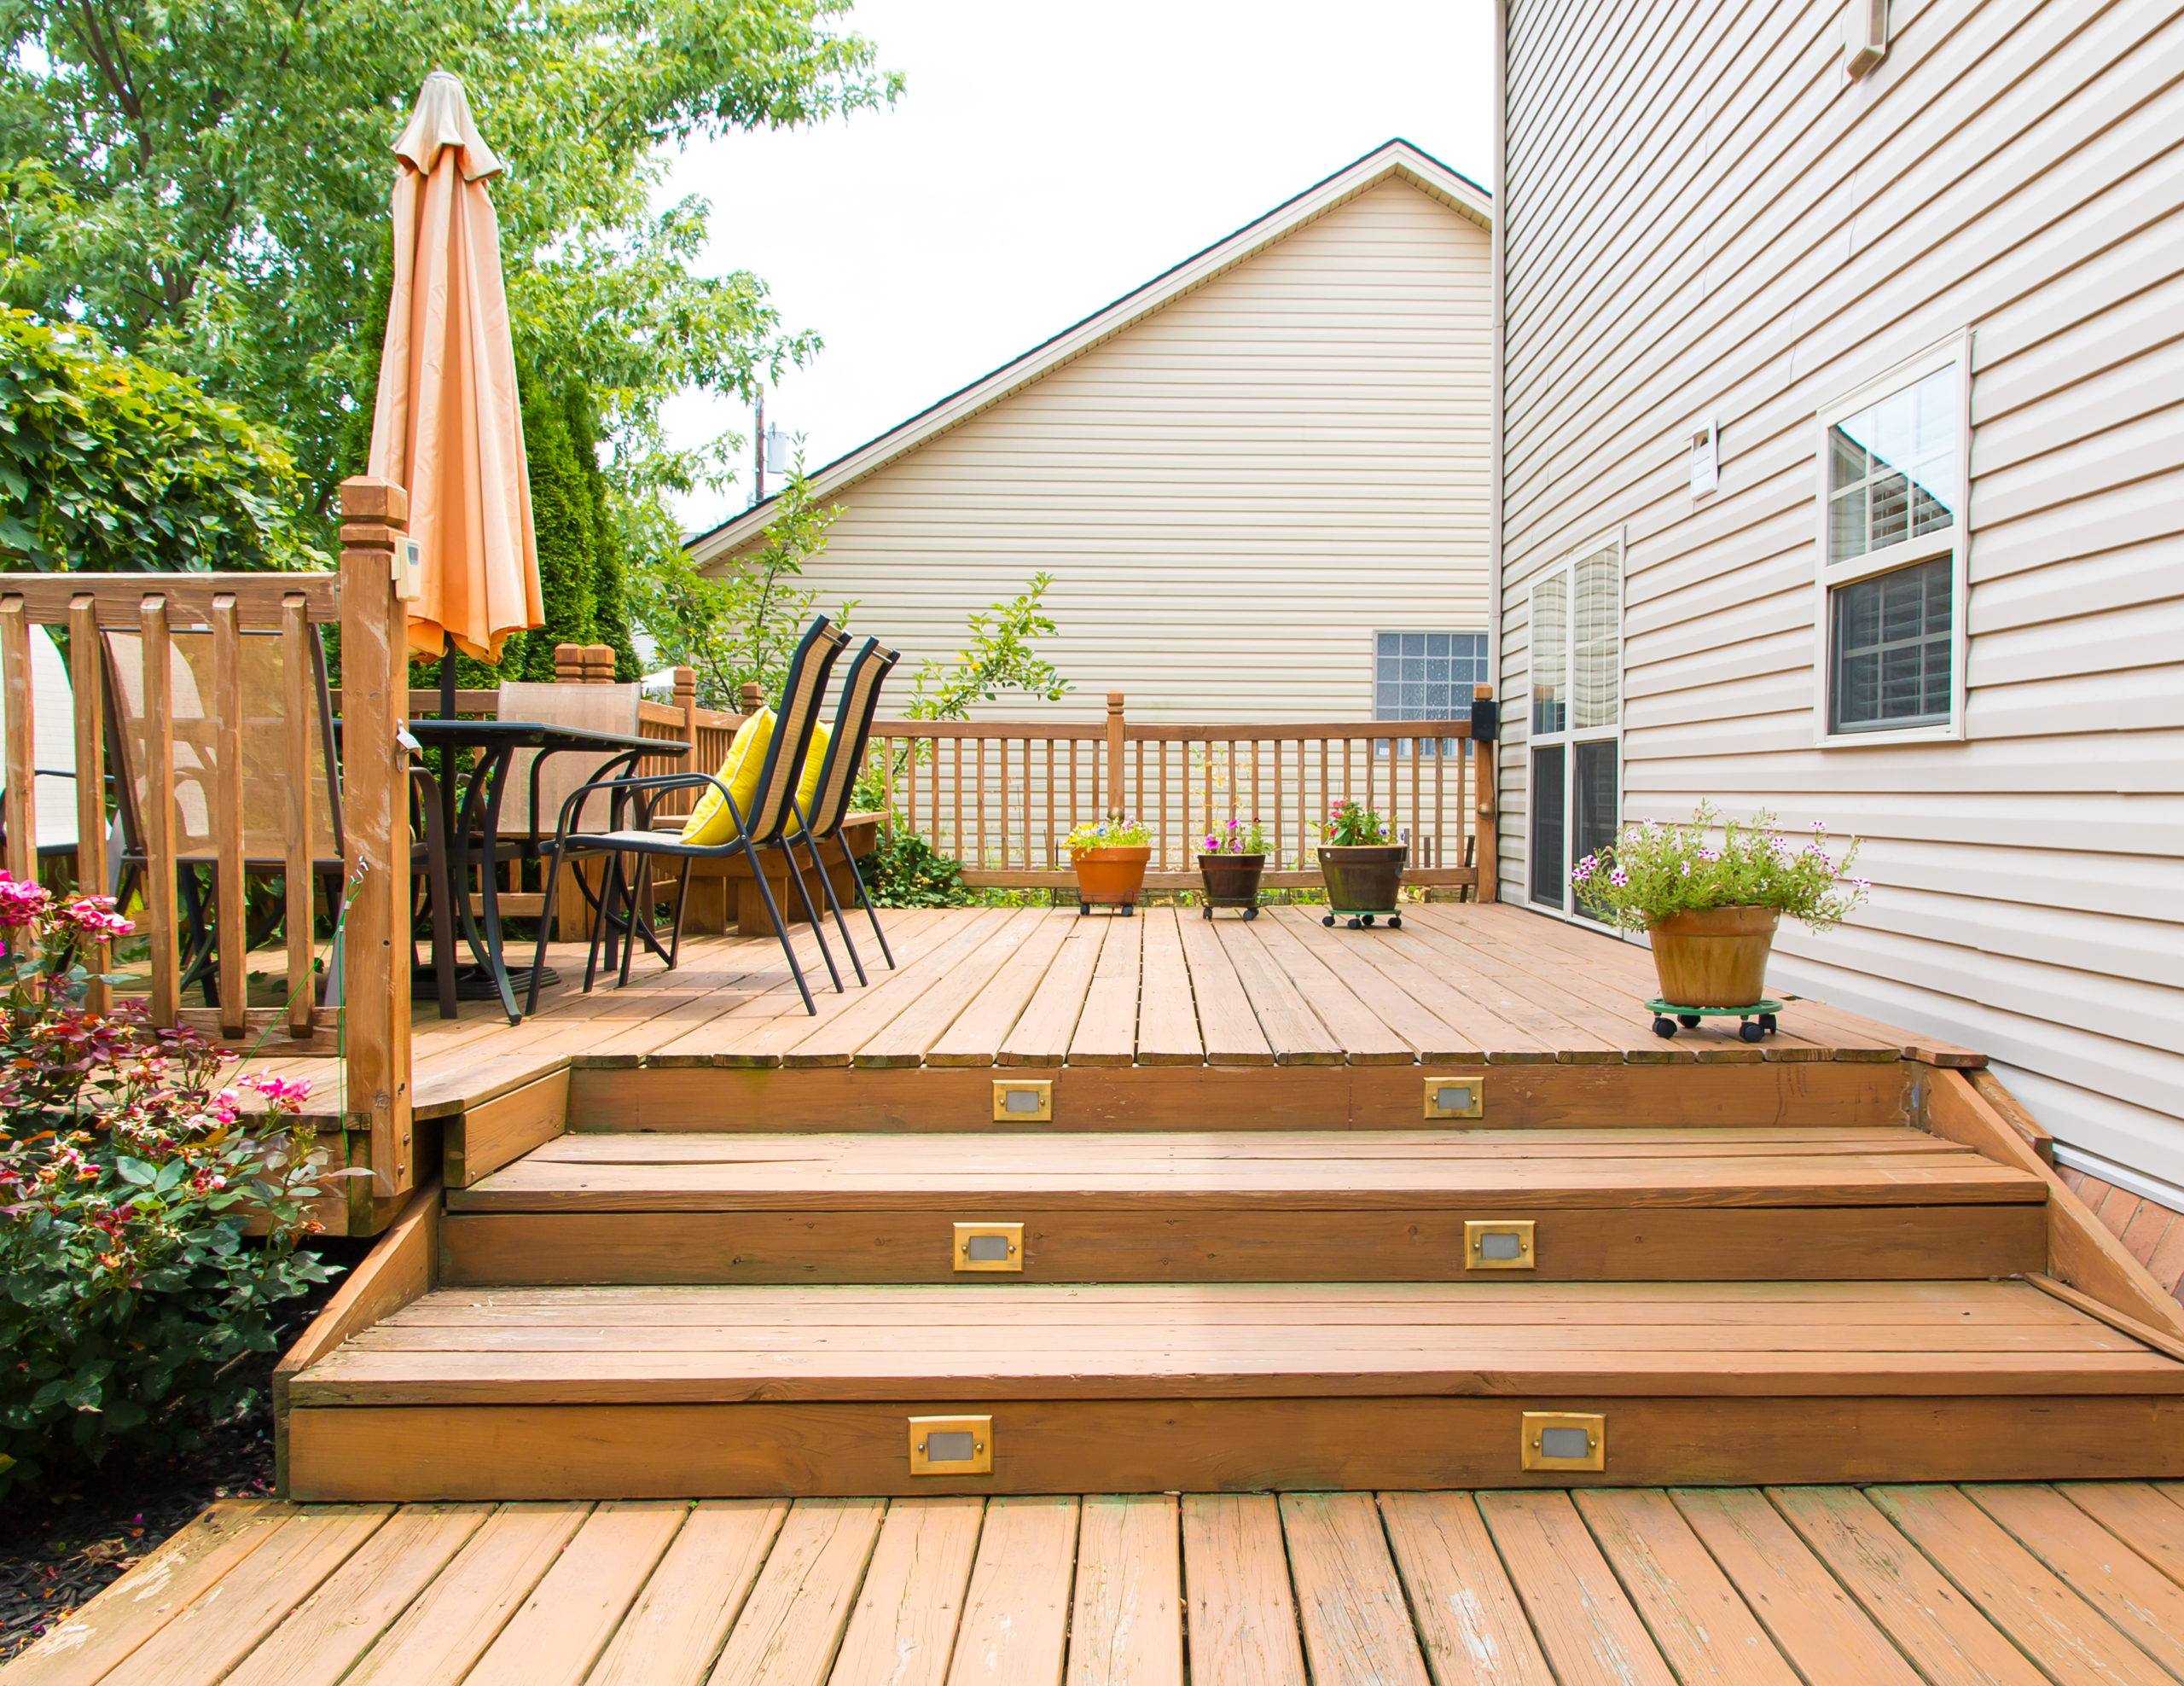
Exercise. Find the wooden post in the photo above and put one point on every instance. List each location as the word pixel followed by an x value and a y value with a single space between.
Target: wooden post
pixel 376 815
pixel 1114 754
pixel 568 663
pixel 599 664
pixel 21 768
pixel 750 697
pixel 1489 819
pixel 87 678
pixel 226 812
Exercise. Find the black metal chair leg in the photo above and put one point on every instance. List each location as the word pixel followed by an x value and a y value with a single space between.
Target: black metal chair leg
pixel 827 889
pixel 872 913
pixel 780 930
pixel 810 912
pixel 610 879
pixel 681 898
pixel 545 927
pixel 639 927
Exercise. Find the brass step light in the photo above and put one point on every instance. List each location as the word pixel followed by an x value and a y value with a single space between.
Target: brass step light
pixel 990 1246
pixel 1564 1440
pixel 1499 1244
pixel 1023 1099
pixel 952 1446
pixel 1456 1097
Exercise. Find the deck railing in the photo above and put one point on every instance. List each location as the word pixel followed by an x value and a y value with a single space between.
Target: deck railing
pixel 1002 796
pixel 201 737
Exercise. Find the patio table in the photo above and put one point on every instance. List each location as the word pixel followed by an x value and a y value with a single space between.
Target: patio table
pixel 472 824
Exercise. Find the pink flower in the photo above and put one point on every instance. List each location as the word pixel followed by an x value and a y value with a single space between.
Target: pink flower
pixel 281 1092
pixel 94 916
pixel 22 902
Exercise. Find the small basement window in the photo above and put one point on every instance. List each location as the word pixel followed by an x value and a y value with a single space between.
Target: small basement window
pixel 1892 568
pixel 1426 676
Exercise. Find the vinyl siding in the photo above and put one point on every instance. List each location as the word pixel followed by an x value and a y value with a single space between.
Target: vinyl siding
pixel 1703 220
pixel 1232 493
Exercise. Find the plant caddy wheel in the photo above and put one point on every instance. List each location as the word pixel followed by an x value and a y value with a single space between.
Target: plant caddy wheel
pixel 1762 1012
pixel 1358 916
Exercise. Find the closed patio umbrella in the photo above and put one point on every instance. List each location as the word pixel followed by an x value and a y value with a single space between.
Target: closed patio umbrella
pixel 446 426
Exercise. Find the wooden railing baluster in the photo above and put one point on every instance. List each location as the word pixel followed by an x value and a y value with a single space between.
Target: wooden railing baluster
pixel 226 812
pixel 159 897
pixel 86 679
pixel 21 753
pixel 296 704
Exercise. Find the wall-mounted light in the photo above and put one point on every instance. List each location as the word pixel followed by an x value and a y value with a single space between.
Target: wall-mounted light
pixel 1865 36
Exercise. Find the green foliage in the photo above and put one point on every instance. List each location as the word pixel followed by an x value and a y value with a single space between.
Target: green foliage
pixel 209 188
pixel 109 463
pixel 1002 655
pixel 743 625
pixel 561 517
pixel 1110 834
pixel 906 871
pixel 1652 871
pixel 128 1292
pixel 1349 822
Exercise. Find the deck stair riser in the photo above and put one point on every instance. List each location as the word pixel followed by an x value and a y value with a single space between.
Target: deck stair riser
pixel 1605 1205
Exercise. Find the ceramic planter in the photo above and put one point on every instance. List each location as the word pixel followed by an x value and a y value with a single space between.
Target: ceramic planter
pixel 1232 880
pixel 1714 957
pixel 1110 877
pixel 1361 877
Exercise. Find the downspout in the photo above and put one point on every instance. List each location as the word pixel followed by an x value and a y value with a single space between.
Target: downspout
pixel 1499 265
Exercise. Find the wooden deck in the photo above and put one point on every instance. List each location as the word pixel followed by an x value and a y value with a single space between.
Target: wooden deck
pixel 982 991
pixel 2001 1584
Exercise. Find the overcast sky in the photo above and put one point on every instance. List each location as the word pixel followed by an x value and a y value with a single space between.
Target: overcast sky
pixel 1045 159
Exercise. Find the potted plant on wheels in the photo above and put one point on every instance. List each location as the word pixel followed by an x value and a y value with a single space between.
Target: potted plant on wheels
pixel 1230 858
pixel 1709 904
pixel 1110 856
pixel 1363 866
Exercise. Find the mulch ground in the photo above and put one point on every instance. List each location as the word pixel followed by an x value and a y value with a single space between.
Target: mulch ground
pixel 63 1541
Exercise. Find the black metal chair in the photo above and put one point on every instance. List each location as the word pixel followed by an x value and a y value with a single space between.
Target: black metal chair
pixel 773 811
pixel 838 776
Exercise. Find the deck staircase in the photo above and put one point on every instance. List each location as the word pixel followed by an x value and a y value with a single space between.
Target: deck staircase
pixel 714 1308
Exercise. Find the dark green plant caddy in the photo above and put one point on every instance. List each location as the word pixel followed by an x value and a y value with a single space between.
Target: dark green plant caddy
pixel 1763 1012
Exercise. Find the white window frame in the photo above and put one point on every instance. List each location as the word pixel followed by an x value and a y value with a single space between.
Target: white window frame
pixel 1953 542
pixel 1571 735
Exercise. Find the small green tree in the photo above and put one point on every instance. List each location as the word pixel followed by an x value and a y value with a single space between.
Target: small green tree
pixel 1002 655
pixel 568 543
pixel 742 625
pixel 108 463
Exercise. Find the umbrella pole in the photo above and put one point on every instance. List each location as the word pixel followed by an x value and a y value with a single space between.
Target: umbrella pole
pixel 447 676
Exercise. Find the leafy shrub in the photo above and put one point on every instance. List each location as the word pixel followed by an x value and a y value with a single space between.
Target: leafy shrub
pixel 906 871
pixel 108 462
pixel 1237 837
pixel 128 1293
pixel 1652 871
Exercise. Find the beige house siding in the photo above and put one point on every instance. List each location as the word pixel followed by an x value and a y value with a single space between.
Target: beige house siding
pixel 1704 219
pixel 1233 492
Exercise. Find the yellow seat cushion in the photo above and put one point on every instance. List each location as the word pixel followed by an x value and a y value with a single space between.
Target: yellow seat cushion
pixel 711 824
pixel 815 758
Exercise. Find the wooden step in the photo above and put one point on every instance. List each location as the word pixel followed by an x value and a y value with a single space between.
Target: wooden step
pixel 1632 1204
pixel 636 1392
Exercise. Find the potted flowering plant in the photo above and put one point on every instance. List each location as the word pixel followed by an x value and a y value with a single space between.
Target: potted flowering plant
pixel 1708 897
pixel 1230 858
pixel 1362 864
pixel 1110 856
pixel 129 1178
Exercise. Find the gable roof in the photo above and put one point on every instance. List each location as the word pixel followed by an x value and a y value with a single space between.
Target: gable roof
pixel 1397 158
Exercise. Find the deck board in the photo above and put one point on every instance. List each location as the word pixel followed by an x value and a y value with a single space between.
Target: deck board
pixel 978 987
pixel 1460 1589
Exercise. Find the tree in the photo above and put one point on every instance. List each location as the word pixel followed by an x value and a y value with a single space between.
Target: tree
pixel 206 183
pixel 108 462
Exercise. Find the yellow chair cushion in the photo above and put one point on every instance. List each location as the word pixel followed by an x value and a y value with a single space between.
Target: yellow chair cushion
pixel 711 824
pixel 815 758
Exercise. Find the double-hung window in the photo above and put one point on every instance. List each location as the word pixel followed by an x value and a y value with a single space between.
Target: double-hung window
pixel 1575 729
pixel 1890 592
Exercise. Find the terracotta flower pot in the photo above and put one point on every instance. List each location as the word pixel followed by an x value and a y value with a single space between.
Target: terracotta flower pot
pixel 1362 877
pixel 1110 877
pixel 1232 880
pixel 1715 956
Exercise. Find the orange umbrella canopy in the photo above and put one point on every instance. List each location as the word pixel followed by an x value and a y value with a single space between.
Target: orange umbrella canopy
pixel 447 427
